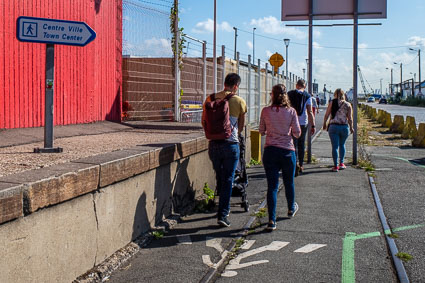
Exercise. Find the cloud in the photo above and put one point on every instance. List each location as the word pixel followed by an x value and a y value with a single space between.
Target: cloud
pixel 153 47
pixel 316 45
pixel 271 25
pixel 269 53
pixel 249 44
pixel 208 27
pixel 416 40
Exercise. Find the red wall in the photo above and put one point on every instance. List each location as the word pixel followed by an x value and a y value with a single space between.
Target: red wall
pixel 87 79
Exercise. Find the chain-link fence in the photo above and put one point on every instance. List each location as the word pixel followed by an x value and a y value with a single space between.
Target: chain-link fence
pixel 148 79
pixel 148 69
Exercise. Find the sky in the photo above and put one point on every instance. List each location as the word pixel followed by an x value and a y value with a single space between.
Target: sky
pixel 379 45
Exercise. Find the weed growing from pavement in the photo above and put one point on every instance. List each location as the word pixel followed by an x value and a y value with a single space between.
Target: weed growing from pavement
pixel 366 165
pixel 262 212
pixel 373 175
pixel 392 235
pixel 404 256
pixel 313 159
pixel 205 204
pixel 254 162
pixel 158 234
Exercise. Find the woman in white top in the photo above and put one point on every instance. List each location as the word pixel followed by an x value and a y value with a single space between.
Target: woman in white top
pixel 340 126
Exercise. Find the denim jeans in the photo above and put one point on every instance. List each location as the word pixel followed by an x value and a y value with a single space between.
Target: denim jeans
pixel 277 159
pixel 299 144
pixel 224 157
pixel 338 135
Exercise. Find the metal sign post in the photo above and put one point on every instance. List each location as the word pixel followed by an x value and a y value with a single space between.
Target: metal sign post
pixel 51 32
pixel 310 72
pixel 355 64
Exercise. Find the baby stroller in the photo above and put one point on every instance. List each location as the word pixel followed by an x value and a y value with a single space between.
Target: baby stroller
pixel 240 181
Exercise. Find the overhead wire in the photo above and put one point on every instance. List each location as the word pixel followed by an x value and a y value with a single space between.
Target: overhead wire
pixel 332 47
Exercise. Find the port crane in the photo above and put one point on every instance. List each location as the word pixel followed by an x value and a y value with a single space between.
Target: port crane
pixel 362 82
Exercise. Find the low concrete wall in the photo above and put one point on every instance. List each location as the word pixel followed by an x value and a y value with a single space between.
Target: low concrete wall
pixel 61 221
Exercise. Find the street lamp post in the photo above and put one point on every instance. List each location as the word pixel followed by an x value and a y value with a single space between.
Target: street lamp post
pixel 391 85
pixel 401 76
pixel 419 55
pixel 236 37
pixel 381 85
pixel 286 40
pixel 306 62
pixel 304 73
pixel 253 45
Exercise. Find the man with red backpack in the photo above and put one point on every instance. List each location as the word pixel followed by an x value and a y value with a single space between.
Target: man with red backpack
pixel 223 119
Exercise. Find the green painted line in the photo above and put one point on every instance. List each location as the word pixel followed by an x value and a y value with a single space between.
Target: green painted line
pixel 408 227
pixel 367 235
pixel 348 268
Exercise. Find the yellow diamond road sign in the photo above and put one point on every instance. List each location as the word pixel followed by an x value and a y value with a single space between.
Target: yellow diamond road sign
pixel 276 60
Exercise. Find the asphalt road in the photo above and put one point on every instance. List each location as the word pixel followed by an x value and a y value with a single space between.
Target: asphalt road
pixel 417 112
pixel 400 182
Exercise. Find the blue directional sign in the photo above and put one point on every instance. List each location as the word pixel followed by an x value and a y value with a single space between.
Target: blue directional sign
pixel 50 31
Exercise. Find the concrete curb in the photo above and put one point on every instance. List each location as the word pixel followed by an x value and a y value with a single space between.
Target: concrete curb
pixel 401 271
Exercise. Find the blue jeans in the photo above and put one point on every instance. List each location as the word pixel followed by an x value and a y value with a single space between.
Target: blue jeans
pixel 299 144
pixel 277 159
pixel 338 135
pixel 224 157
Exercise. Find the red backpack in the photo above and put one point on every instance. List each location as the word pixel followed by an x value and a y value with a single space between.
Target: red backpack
pixel 216 122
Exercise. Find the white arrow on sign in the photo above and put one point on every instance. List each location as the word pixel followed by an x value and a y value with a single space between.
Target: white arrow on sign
pixel 51 31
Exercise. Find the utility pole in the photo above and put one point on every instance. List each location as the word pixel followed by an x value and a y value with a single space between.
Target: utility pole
pixel 391 84
pixel 419 55
pixel 420 82
pixel 381 85
pixel 286 40
pixel 253 46
pixel 236 39
pixel 401 77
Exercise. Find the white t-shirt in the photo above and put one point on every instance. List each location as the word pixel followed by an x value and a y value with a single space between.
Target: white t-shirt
pixel 303 119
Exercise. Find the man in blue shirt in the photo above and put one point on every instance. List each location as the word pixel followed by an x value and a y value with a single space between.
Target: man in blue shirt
pixel 302 102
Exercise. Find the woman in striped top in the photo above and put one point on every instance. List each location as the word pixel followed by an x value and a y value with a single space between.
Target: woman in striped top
pixel 279 122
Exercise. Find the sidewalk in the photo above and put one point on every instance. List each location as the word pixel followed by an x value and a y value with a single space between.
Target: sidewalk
pixel 335 236
pixel 16 145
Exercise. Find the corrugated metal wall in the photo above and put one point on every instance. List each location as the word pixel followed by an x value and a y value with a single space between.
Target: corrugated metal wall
pixel 87 79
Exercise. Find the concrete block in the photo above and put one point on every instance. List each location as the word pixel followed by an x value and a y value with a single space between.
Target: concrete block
pixel 374 114
pixel 386 120
pixel 409 131
pixel 256 145
pixel 398 124
pixel 52 245
pixel 11 201
pixel 119 165
pixel 419 140
pixel 55 184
